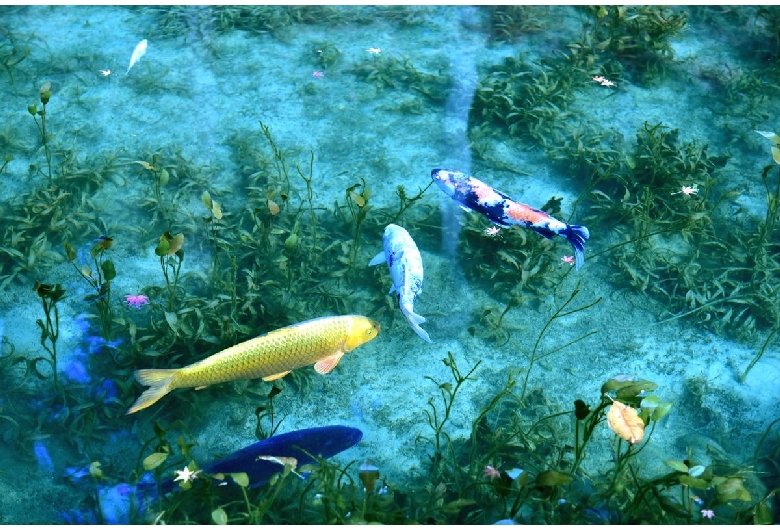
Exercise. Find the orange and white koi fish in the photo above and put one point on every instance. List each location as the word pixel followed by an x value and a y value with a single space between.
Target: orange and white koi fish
pixel 473 194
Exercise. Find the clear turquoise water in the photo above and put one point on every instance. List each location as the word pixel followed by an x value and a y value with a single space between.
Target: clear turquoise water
pixel 375 96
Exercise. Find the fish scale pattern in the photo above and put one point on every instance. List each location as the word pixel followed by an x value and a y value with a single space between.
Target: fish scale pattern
pixel 273 353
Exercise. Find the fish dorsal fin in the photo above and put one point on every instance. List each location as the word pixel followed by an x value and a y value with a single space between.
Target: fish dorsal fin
pixel 326 365
pixel 376 260
pixel 276 376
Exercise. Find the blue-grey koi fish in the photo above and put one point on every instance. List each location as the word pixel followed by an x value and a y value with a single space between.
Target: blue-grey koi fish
pixel 126 503
pixel 473 194
pixel 405 263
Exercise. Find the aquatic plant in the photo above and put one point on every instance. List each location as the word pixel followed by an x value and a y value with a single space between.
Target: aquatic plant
pixel 509 23
pixel 438 416
pixel 161 177
pixel 50 328
pixel 215 214
pixel 561 312
pixel 170 250
pixel 527 99
pixel 99 280
pixel 386 71
pixel 11 53
pixel 406 202
pixel 327 54
pixel 358 209
pixel 266 411
pixel 637 37
pixel 6 160
pixel 45 96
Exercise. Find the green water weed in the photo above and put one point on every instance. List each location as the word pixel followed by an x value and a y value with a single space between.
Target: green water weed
pixel 99 280
pixel 46 136
pixel 638 37
pixel 438 416
pixel 561 312
pixel 170 250
pixel 511 23
pixel 50 295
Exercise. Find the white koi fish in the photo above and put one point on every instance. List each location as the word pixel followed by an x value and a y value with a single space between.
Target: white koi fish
pixel 405 263
pixel 139 52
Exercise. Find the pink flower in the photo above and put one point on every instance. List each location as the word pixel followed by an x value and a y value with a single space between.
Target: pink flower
pixel 568 259
pixel 491 473
pixel 709 514
pixel 317 73
pixel 136 300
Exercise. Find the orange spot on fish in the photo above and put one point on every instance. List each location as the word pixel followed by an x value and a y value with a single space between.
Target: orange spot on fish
pixel 520 212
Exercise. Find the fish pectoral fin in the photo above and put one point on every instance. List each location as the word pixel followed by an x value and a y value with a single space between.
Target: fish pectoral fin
pixel 376 260
pixel 326 365
pixel 276 376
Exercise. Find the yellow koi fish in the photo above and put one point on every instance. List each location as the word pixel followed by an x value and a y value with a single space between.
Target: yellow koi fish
pixel 322 341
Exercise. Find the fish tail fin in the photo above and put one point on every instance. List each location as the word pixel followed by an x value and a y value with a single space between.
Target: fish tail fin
pixel 414 321
pixel 159 381
pixel 577 235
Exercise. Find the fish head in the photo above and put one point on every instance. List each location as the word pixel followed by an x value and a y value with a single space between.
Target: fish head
pixel 362 330
pixel 446 180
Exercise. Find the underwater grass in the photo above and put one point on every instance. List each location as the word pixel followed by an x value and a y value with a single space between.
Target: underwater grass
pixel 273 263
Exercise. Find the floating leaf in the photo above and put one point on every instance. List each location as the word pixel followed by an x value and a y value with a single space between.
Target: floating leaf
pixel 776 154
pixel 216 210
pixel 625 422
pixel 205 199
pixel 273 207
pixel 109 271
pixel 677 465
pixel 164 177
pixel 553 478
pixel 730 489
pixel 219 516
pixel 95 471
pixel 177 242
pixel 661 411
pixel 359 200
pixel 635 388
pixel 770 136
pixel 691 482
pixel 242 479
pixel 162 247
pixel 649 402
pixel 154 460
